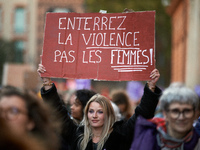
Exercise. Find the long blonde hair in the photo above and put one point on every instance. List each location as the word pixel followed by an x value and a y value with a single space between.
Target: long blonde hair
pixel 109 120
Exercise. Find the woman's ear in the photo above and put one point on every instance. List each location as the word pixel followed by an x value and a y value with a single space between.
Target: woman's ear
pixel 30 125
pixel 164 115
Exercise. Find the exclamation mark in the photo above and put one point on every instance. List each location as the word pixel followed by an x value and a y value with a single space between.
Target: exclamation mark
pixel 151 55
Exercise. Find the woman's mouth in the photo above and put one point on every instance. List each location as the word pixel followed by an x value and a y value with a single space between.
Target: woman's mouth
pixel 94 121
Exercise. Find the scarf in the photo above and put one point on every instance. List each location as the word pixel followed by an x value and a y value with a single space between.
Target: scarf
pixel 165 141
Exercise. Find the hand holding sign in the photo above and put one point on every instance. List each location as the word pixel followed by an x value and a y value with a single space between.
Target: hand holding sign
pixel 114 46
pixel 46 80
pixel 155 75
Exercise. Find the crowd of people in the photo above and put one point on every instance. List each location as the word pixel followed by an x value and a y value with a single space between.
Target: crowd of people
pixel 96 122
pixel 99 128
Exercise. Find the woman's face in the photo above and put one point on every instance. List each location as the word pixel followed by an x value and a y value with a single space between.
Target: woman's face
pixel 180 119
pixel 13 110
pixel 77 109
pixel 95 115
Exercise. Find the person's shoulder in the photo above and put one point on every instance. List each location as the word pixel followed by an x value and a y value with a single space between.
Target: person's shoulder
pixel 118 123
pixel 80 129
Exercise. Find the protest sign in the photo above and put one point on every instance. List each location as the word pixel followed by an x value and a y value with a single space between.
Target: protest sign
pixel 113 46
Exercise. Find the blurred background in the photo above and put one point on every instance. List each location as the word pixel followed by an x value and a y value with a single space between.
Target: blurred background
pixel 177 42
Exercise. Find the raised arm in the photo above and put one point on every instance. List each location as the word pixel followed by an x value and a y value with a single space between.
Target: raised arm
pixel 155 75
pixel 48 91
pixel 150 97
pixel 50 95
pixel 146 108
pixel 47 84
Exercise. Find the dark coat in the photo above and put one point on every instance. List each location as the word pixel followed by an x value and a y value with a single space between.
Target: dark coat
pixel 122 134
pixel 146 132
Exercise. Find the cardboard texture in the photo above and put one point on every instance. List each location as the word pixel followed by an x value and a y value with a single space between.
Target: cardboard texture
pixel 113 46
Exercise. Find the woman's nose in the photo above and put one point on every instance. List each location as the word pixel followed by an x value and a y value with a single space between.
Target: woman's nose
pixel 181 116
pixel 94 114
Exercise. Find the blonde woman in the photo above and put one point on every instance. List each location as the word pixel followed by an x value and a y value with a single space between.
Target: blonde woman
pixel 100 130
pixel 98 119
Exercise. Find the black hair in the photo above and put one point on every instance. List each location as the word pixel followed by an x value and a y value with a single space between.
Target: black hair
pixel 84 96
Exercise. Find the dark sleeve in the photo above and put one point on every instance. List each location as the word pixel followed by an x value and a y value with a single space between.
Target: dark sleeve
pixel 148 103
pixel 68 127
pixel 146 108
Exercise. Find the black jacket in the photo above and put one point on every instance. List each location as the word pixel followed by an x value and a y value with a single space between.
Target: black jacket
pixel 122 134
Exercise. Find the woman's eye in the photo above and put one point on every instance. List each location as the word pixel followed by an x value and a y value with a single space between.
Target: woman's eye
pixel 187 111
pixel 100 112
pixel 90 111
pixel 76 104
pixel 175 111
pixel 14 110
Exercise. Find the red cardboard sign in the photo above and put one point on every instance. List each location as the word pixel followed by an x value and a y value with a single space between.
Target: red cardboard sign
pixel 113 46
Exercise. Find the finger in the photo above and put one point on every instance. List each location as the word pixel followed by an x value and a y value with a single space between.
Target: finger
pixel 41 66
pixel 155 75
pixel 154 71
pixel 40 70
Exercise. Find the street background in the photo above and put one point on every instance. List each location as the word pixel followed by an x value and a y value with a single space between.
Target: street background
pixel 177 44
